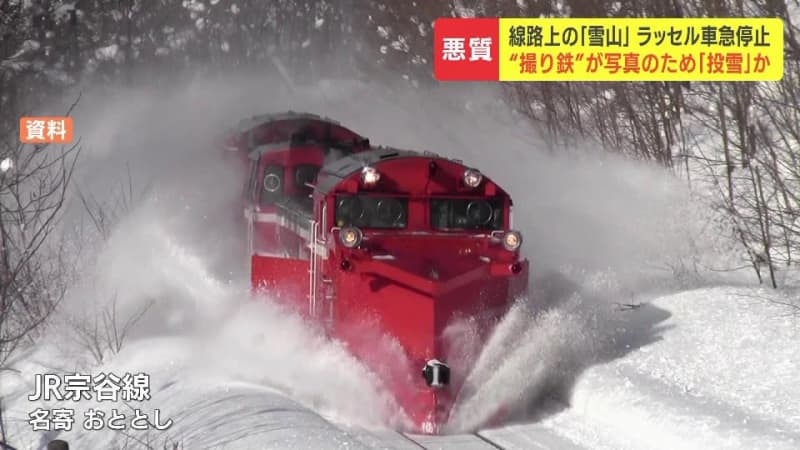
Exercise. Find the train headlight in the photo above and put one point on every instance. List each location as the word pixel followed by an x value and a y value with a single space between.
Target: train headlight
pixel 370 176
pixel 350 237
pixel 472 178
pixel 512 240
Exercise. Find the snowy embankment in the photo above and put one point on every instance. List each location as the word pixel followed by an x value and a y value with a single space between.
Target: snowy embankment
pixel 703 368
pixel 206 410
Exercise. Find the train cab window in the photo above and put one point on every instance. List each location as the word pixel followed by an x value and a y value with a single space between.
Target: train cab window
pixel 305 174
pixel 271 185
pixel 366 211
pixel 467 214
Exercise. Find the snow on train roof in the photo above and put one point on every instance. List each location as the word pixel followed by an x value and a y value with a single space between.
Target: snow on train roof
pixel 254 121
pixel 325 146
pixel 342 168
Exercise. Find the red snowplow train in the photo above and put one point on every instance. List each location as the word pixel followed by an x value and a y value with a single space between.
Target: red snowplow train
pixel 376 243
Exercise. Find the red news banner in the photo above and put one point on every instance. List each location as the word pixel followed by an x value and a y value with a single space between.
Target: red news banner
pixel 603 49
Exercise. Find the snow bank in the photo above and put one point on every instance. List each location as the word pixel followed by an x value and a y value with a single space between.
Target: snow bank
pixel 723 374
pixel 208 408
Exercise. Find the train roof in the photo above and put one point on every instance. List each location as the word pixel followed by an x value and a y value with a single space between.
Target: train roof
pixel 336 171
pixel 325 146
pixel 256 120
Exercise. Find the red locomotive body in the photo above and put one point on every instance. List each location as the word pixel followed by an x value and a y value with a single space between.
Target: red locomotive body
pixel 284 153
pixel 379 242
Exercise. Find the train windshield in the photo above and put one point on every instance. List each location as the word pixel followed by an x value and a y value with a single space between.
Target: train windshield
pixel 467 213
pixel 366 211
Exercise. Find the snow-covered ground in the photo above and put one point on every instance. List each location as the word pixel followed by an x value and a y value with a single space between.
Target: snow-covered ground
pixel 705 368
pixel 621 345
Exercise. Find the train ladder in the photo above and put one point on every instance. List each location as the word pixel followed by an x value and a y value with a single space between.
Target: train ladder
pixel 249 218
pixel 313 270
pixel 318 284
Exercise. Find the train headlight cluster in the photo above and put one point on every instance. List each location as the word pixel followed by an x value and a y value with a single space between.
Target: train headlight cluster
pixel 350 237
pixel 512 240
pixel 472 178
pixel 370 176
